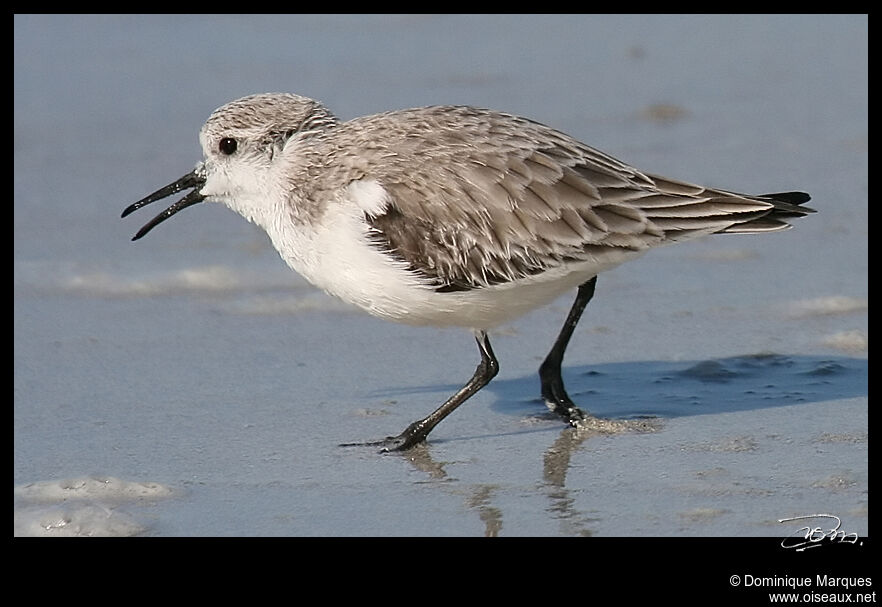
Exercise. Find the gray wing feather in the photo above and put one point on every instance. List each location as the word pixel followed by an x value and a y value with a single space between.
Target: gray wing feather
pixel 512 198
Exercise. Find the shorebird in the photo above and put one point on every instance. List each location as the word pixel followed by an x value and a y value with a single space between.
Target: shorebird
pixel 449 216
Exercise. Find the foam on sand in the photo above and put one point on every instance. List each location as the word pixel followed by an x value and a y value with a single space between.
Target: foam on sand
pixel 84 506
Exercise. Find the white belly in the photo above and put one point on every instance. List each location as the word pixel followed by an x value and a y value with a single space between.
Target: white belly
pixel 334 253
pixel 337 256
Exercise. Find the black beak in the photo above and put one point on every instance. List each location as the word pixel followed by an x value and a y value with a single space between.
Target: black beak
pixel 194 179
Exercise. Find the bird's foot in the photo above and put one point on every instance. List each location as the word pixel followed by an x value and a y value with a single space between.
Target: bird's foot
pixel 559 402
pixel 586 422
pixel 412 435
pixel 572 414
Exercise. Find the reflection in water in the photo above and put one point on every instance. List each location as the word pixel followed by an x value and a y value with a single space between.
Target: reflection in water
pixel 556 463
pixel 478 496
pixel 489 515
pixel 421 459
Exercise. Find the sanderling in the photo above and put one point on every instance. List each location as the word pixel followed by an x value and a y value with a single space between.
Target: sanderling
pixel 449 215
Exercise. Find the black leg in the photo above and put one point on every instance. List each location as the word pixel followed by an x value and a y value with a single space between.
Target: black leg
pixel 553 391
pixel 419 430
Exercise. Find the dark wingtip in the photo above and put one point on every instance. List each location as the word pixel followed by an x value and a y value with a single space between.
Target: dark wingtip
pixel 796 198
pixel 789 204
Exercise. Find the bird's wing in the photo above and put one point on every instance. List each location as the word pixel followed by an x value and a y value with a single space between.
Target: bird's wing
pixel 483 198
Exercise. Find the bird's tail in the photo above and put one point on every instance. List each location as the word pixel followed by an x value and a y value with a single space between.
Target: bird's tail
pixel 786 206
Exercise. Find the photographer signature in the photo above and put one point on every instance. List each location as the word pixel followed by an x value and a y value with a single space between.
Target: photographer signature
pixel 812 537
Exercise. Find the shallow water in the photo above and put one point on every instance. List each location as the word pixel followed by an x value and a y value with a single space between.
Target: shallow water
pixel 194 361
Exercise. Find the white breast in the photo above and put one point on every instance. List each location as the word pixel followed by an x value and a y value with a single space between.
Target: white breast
pixel 335 254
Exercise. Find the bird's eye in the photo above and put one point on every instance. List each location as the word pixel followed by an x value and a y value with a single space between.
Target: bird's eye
pixel 228 146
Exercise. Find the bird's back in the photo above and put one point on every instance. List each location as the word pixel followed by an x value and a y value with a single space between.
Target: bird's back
pixel 478 197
